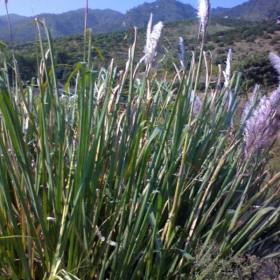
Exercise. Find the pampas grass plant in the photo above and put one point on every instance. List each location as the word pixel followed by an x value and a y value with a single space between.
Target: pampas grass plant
pixel 105 183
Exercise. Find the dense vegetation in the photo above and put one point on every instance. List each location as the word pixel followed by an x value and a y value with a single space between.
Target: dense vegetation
pixel 100 21
pixel 124 172
pixel 250 42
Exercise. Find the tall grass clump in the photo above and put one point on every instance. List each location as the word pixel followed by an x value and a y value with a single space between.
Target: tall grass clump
pixel 126 175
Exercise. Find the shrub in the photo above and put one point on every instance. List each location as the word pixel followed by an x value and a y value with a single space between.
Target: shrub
pixel 258 70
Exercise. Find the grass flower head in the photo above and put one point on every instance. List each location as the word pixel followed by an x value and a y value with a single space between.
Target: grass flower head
pixel 182 52
pixel 152 38
pixel 262 127
pixel 203 15
pixel 227 72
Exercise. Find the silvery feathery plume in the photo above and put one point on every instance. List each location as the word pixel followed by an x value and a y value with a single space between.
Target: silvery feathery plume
pixel 227 72
pixel 203 15
pixel 197 103
pixel 149 29
pixel 227 76
pixel 249 105
pixel 152 38
pixel 197 106
pixel 262 127
pixel 182 52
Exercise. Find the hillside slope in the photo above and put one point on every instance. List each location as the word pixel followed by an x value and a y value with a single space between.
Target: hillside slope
pixel 251 44
pixel 64 24
pixel 254 10
pixel 163 10
pixel 100 21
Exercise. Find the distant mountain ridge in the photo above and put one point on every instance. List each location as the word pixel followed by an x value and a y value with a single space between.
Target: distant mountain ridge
pixel 64 24
pixel 253 10
pixel 163 10
pixel 100 21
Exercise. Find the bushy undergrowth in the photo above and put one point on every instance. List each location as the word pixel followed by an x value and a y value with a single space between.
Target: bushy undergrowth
pixel 126 175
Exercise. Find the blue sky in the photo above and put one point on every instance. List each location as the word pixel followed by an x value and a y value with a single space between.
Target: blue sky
pixel 33 7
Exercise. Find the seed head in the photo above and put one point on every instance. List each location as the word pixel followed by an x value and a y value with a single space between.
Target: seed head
pixel 263 126
pixel 182 52
pixel 203 15
pixel 197 103
pixel 152 38
pixel 227 72
pixel 249 105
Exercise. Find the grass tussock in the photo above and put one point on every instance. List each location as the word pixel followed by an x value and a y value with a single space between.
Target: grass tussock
pixel 123 174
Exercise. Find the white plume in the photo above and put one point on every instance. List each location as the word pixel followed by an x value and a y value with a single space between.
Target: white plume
pixel 152 39
pixel 203 14
pixel 182 52
pixel 149 29
pixel 227 72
